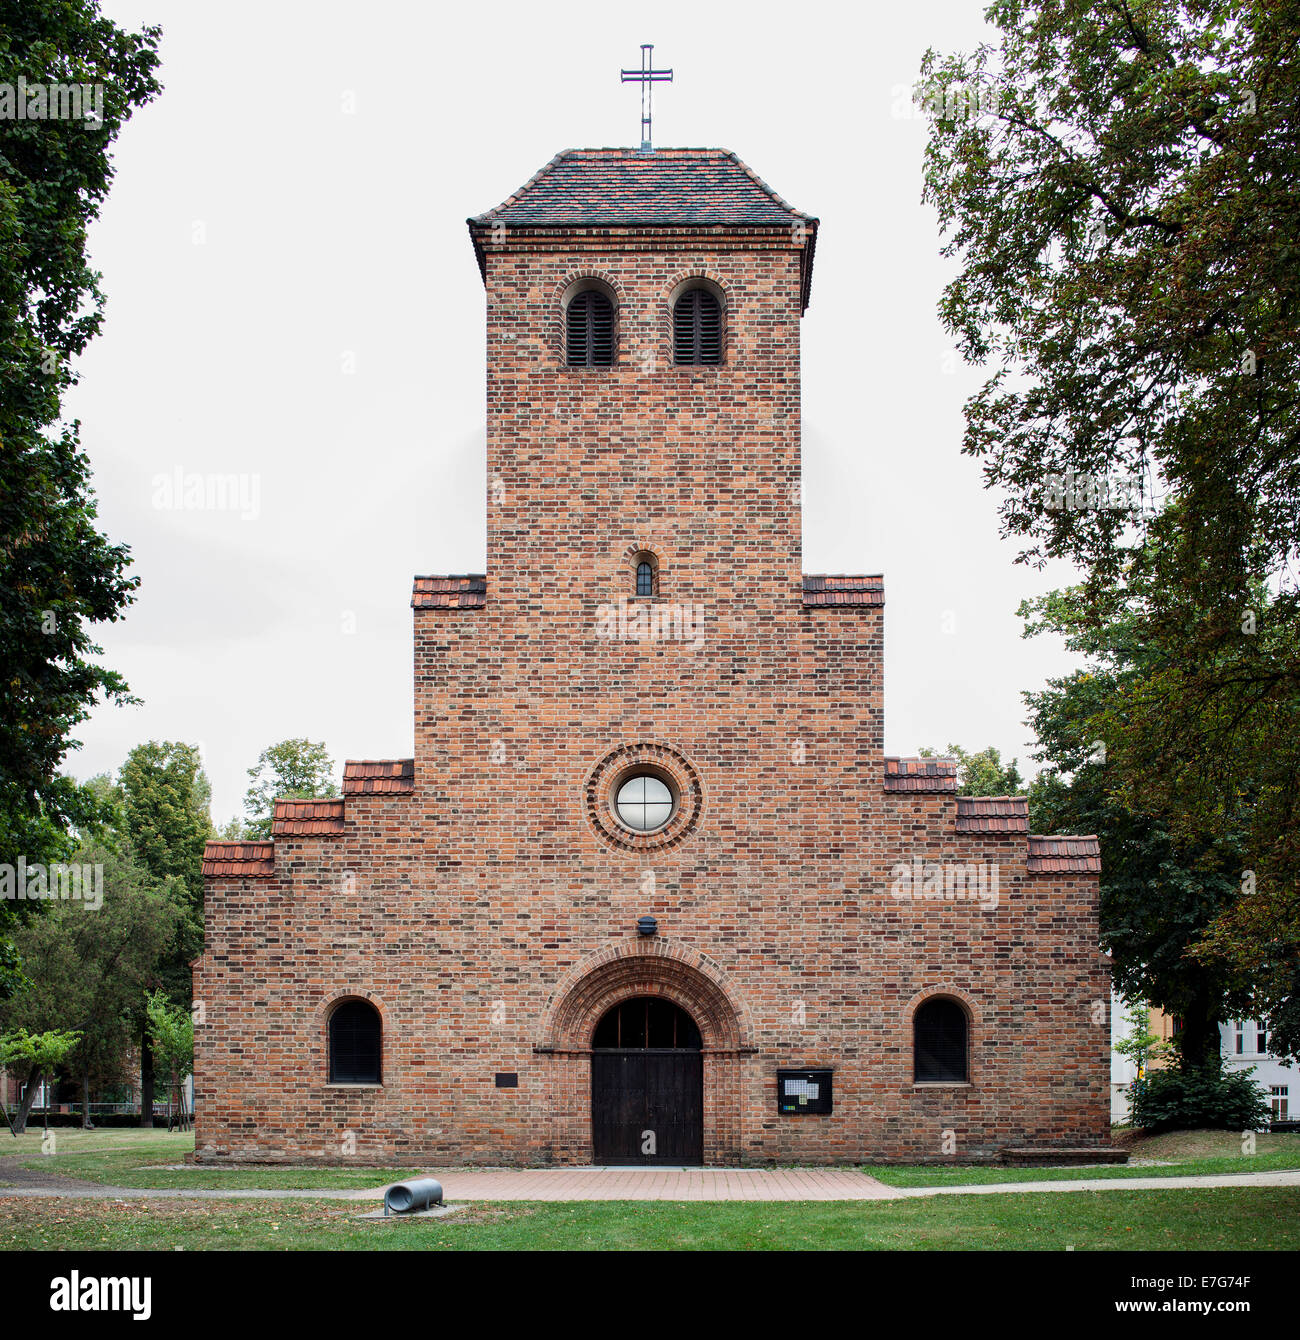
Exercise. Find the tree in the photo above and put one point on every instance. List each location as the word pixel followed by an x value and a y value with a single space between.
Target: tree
pixel 171 1030
pixel 42 1054
pixel 1117 184
pixel 1160 890
pixel 982 773
pixel 88 967
pixel 59 575
pixel 165 800
pixel 1140 1044
pixel 290 768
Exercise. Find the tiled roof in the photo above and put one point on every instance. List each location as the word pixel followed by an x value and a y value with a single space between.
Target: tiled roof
pixel 387 776
pixel 630 188
pixel 449 593
pixel 633 188
pixel 307 818
pixel 1066 855
pixel 920 774
pixel 862 591
pixel 993 814
pixel 239 860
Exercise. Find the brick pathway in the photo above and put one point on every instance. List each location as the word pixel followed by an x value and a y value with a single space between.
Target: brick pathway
pixel 662 1184
pixel 679 1184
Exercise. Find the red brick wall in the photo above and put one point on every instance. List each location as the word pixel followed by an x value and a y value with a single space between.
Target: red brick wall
pixel 491 922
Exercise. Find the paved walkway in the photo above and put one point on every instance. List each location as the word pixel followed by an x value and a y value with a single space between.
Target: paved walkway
pixel 676 1184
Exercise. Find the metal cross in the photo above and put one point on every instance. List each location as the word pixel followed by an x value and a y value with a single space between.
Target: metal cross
pixel 646 76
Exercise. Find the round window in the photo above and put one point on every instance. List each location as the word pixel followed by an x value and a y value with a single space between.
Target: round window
pixel 644 802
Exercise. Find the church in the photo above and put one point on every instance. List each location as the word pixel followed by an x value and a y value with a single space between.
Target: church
pixel 649 891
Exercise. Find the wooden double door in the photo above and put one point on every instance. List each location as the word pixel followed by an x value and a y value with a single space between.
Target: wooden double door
pixel 647 1084
pixel 647 1105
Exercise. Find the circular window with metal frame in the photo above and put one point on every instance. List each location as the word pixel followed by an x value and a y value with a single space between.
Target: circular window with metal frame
pixel 644 797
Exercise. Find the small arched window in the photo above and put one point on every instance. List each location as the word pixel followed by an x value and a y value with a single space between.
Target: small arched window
pixel 589 330
pixel 645 578
pixel 356 1043
pixel 940 1042
pixel 697 328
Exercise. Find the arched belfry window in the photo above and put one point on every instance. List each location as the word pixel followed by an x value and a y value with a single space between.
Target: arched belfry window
pixel 647 573
pixel 589 330
pixel 697 328
pixel 940 1042
pixel 356 1043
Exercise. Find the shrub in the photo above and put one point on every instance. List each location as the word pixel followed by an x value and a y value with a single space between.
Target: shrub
pixel 1204 1097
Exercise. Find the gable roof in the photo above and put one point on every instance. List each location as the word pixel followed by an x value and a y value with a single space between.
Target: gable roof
pixel 635 188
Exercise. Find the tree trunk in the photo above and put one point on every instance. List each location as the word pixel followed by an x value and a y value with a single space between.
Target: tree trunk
pixel 146 1077
pixel 1199 1043
pixel 29 1097
pixel 86 1124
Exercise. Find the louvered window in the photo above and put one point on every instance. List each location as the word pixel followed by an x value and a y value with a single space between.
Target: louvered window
pixel 697 328
pixel 940 1042
pixel 590 330
pixel 356 1043
pixel 645 579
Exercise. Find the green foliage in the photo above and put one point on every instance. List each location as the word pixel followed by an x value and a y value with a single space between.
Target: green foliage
pixel 1161 889
pixel 44 1050
pixel 171 1029
pixel 982 773
pixel 87 969
pixel 165 799
pixel 1123 220
pixel 59 574
pixel 1205 1096
pixel 1140 1044
pixel 290 768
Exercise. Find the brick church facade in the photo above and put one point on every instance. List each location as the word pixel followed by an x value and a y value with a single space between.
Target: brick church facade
pixel 650 889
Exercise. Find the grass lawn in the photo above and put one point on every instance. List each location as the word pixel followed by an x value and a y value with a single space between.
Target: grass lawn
pixel 1223 1219
pixel 1176 1154
pixel 120 1156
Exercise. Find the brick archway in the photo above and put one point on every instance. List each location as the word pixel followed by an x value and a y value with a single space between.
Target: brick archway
pixel 644 968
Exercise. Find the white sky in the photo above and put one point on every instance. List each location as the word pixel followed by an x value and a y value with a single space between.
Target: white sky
pixel 294 203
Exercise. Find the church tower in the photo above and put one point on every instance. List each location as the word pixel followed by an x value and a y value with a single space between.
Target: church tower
pixel 649 890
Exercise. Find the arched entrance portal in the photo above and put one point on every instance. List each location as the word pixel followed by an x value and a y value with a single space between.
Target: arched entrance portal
pixel 667 971
pixel 647 1084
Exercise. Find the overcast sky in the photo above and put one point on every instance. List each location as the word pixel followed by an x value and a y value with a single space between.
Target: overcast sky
pixel 293 298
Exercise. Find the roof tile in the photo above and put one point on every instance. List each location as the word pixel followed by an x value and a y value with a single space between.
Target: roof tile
pixel 1064 854
pixel 298 817
pixel 239 860
pixel 388 776
pixel 921 774
pixel 993 814
pixel 450 593
pixel 621 188
pixel 852 591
